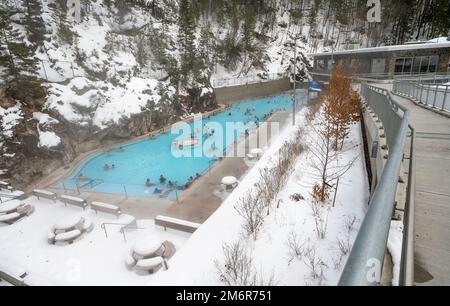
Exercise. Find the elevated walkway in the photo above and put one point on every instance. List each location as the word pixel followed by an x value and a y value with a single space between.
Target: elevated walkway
pixel 432 195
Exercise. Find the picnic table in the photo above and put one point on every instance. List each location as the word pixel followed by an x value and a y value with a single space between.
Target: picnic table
pixel 147 246
pixel 68 223
pixel 9 207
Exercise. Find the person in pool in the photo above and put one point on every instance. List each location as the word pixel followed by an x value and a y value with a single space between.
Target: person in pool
pixel 148 183
pixel 81 177
pixel 162 179
pixel 113 166
pixel 106 167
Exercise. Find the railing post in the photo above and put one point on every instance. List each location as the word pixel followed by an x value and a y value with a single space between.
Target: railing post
pixel 428 94
pixel 421 92
pixel 436 90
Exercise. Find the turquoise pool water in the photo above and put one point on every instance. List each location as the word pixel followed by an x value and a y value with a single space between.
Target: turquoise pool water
pixel 136 162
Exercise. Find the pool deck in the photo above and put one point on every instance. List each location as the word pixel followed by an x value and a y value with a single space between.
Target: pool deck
pixel 196 204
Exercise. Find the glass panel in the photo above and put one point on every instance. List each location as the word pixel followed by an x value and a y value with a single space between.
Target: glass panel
pixel 399 65
pixel 330 64
pixel 434 60
pixel 416 65
pixel 321 64
pixel 424 64
pixel 408 66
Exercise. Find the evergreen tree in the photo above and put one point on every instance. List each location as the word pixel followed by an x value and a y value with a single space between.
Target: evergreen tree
pixel 34 23
pixel 207 45
pixel 18 66
pixel 64 30
pixel 186 38
pixel 249 27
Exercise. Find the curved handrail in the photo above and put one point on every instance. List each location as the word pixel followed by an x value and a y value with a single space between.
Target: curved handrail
pixel 366 259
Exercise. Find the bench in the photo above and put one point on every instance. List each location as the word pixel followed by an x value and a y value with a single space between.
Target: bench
pixel 106 208
pixel 150 265
pixel 68 200
pixel 10 218
pixel 176 224
pixel 68 237
pixel 45 194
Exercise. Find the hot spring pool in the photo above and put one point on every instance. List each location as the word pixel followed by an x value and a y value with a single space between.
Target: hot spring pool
pixel 138 161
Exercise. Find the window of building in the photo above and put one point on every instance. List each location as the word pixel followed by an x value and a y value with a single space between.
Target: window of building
pixel 408 66
pixel 330 64
pixel 424 64
pixel 399 63
pixel 320 64
pixel 434 61
pixel 416 65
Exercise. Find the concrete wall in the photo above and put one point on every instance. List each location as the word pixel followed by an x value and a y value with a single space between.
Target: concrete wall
pixel 230 95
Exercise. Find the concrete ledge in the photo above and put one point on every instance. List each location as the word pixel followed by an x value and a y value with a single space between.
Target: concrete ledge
pixel 234 94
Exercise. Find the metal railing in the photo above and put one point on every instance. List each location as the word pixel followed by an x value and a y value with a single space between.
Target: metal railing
pixel 434 94
pixel 365 263
pixel 245 80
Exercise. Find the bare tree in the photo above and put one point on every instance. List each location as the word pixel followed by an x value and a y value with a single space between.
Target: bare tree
pixel 238 268
pixel 327 162
pixel 320 214
pixel 251 208
pixel 296 247
pixel 317 267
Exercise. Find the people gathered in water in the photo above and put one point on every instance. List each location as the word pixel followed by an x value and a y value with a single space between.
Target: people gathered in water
pixel 162 179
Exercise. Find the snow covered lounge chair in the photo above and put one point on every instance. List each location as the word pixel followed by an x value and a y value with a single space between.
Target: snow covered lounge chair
pixel 68 200
pixel 45 194
pixel 176 224
pixel 106 208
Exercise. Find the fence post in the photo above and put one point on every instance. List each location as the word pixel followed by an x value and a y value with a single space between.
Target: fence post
pixel 421 93
pixel 126 194
pixel 45 71
pixel 436 90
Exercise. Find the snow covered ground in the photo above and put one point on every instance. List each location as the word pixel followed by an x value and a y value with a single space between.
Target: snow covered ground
pixel 93 260
pixel 291 224
pixel 394 245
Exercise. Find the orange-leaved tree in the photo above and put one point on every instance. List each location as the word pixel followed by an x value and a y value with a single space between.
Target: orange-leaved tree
pixel 342 105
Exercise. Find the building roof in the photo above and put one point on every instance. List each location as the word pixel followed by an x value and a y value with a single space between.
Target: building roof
pixel 387 49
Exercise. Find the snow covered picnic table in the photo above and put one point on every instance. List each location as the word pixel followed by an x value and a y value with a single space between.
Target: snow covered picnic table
pixel 8 207
pixel 147 246
pixel 68 223
pixel 230 182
